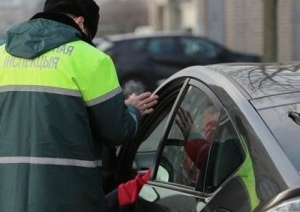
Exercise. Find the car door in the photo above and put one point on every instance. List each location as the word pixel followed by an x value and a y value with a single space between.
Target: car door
pixel 230 183
pixel 174 184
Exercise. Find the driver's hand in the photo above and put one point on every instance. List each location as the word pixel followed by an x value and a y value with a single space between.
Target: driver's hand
pixel 185 122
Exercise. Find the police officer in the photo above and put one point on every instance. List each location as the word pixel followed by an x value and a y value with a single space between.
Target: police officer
pixel 60 99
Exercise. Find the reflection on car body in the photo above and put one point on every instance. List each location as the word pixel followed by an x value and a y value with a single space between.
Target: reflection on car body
pixel 144 61
pixel 253 162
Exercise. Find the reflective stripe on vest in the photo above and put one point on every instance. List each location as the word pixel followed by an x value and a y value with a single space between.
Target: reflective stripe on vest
pixel 51 161
pixel 43 89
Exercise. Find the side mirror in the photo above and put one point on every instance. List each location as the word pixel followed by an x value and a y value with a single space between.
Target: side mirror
pixel 162 174
pixel 149 194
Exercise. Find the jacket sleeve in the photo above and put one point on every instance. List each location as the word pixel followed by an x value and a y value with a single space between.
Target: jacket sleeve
pixel 128 192
pixel 111 120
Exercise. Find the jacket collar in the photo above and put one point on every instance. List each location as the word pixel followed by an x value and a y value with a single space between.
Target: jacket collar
pixel 42 33
pixel 64 19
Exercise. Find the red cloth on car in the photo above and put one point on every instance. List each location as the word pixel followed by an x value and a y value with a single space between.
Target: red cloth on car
pixel 129 191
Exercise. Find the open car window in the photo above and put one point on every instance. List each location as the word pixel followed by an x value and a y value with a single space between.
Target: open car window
pixel 139 155
pixel 151 143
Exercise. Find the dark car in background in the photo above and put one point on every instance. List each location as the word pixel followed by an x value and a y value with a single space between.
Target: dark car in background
pixel 144 61
pixel 252 160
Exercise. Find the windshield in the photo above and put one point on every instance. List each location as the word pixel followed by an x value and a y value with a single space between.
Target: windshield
pixel 284 124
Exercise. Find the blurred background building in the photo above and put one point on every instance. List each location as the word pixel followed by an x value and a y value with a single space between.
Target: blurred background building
pixel 14 11
pixel 237 24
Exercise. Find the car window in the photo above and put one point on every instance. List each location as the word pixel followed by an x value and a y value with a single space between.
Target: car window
pixel 185 151
pixel 159 46
pixel 131 46
pixel 287 136
pixel 226 155
pixel 151 142
pixel 198 47
pixel 153 127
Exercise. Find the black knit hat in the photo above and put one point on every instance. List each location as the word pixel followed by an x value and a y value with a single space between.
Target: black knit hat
pixel 86 8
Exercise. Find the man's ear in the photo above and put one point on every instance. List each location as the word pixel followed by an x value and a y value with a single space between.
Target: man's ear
pixel 79 21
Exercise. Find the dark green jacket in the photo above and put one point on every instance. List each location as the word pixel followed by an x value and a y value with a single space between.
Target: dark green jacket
pixel 60 99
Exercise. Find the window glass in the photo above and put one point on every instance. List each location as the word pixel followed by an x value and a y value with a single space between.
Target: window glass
pixel 198 47
pixel 145 155
pixel 153 128
pixel 138 45
pixel 226 154
pixel 131 46
pixel 288 136
pixel 186 149
pixel 151 142
pixel 162 46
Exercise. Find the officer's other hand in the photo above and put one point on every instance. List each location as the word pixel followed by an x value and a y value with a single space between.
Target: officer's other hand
pixel 144 102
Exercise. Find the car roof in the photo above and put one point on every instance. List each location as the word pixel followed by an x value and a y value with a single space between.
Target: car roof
pixel 264 79
pixel 254 80
pixel 130 36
